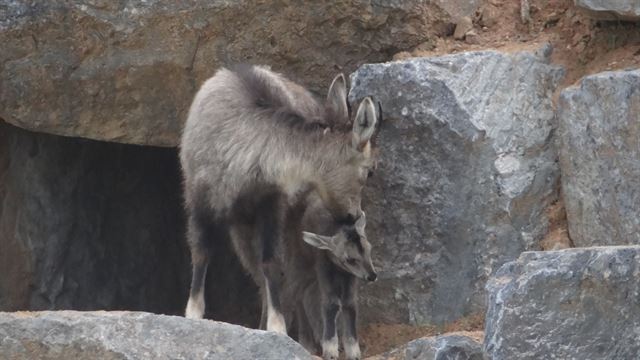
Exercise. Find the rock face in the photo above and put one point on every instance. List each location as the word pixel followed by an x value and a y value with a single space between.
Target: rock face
pixel 467 170
pixel 567 304
pixel 130 335
pixel 445 347
pixel 126 71
pixel 458 9
pixel 611 9
pixel 88 225
pixel 599 137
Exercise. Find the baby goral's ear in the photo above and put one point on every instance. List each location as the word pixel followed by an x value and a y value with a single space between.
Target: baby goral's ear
pixel 318 241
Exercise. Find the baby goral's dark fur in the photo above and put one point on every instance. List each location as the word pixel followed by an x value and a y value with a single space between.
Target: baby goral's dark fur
pixel 319 292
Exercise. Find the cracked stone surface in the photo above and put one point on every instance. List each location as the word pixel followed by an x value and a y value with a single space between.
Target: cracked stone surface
pixel 467 170
pixel 126 71
pixel 135 335
pixel 598 136
pixel 577 304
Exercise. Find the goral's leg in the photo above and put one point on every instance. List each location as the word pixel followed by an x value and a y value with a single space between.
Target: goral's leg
pixel 270 219
pixel 349 334
pixel 196 233
pixel 330 310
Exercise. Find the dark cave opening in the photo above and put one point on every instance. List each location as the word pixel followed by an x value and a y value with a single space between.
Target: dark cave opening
pixel 90 225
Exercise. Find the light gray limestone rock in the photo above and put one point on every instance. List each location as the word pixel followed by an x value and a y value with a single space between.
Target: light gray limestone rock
pixel 611 9
pixel 572 304
pixel 599 141
pixel 467 169
pixel 75 335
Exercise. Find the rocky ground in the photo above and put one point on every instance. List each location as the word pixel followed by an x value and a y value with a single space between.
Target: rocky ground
pixel 510 129
pixel 379 338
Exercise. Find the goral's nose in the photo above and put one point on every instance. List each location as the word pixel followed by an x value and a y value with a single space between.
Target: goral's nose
pixel 372 277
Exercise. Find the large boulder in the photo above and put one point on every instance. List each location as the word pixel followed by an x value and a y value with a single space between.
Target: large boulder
pixel 130 335
pixel 467 170
pixel 443 347
pixel 126 70
pixel 90 225
pixel 599 151
pixel 566 304
pixel 611 9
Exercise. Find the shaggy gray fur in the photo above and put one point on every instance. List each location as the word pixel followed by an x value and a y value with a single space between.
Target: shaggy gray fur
pixel 254 145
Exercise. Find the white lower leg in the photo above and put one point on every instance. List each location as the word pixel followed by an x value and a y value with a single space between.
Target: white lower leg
pixel 275 320
pixel 330 349
pixel 195 306
pixel 351 348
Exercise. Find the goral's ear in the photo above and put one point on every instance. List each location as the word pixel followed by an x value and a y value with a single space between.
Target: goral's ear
pixel 365 124
pixel 318 241
pixel 336 104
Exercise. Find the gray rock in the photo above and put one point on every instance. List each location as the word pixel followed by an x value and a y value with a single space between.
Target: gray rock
pixel 131 335
pixel 443 347
pixel 467 171
pixel 599 158
pixel 126 71
pixel 89 225
pixel 572 304
pixel 611 9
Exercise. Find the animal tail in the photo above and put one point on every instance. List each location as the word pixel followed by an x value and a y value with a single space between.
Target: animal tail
pixel 267 95
pixel 262 90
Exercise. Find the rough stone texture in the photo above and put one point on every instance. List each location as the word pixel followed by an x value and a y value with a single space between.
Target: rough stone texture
pixel 130 335
pixel 568 304
pixel 463 26
pixel 467 171
pixel 457 9
pixel 611 9
pixel 444 347
pixel 88 225
pixel 599 136
pixel 126 70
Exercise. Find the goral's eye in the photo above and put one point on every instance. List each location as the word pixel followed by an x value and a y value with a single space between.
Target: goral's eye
pixel 351 261
pixel 369 173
